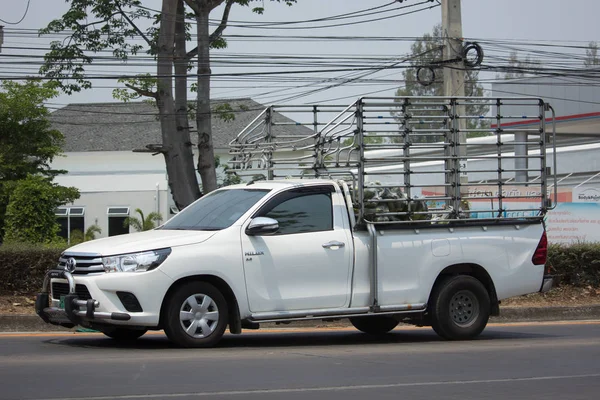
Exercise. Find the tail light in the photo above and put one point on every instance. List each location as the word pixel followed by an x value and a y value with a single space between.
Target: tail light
pixel 541 252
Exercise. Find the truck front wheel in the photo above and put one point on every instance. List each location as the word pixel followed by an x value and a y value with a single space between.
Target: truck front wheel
pixel 196 315
pixel 459 308
pixel 375 325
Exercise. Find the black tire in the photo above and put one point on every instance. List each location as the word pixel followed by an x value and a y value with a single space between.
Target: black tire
pixel 124 334
pixel 459 308
pixel 375 325
pixel 199 325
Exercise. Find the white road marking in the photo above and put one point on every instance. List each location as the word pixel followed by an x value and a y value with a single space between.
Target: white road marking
pixel 326 388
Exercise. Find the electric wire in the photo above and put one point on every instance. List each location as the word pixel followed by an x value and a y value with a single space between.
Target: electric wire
pixel 22 18
pixel 540 58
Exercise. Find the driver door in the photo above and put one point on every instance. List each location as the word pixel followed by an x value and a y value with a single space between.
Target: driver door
pixel 307 263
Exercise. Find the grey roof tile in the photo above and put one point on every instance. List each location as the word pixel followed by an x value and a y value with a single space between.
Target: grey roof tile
pixel 127 126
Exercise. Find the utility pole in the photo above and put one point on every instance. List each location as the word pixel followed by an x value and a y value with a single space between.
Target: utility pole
pixel 454 74
pixel 454 81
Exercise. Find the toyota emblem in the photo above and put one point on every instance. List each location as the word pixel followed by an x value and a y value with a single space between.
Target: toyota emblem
pixel 71 264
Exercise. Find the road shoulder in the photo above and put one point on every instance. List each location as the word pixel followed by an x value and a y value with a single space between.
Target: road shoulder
pixel 32 323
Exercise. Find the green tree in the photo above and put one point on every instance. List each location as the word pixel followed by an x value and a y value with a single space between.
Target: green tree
pixel 30 214
pixel 205 40
pixel 517 68
pixel 5 189
pixel 425 51
pixel 28 144
pixel 591 56
pixel 143 223
pixel 93 26
pixel 227 179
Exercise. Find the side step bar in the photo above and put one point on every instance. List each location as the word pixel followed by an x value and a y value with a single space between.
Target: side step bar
pixel 336 313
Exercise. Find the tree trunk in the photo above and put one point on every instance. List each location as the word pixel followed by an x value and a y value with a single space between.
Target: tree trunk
pixel 176 143
pixel 181 101
pixel 206 156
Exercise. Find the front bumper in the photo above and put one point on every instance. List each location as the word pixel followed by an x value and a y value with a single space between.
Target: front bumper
pixel 547 283
pixel 76 311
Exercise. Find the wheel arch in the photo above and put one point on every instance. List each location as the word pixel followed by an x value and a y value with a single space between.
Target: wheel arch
pixel 476 271
pixel 235 324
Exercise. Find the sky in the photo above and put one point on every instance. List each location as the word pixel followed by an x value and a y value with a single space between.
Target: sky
pixel 518 21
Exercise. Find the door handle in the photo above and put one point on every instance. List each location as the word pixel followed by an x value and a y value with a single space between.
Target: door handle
pixel 333 244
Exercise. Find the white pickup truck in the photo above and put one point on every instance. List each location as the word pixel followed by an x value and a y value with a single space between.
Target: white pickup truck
pixel 285 251
pixel 298 249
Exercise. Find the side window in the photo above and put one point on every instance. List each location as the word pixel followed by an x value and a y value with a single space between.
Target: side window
pixel 302 212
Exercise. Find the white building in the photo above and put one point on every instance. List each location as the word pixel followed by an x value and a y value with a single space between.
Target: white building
pixel 113 180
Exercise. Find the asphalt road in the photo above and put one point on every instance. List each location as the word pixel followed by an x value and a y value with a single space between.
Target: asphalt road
pixel 518 361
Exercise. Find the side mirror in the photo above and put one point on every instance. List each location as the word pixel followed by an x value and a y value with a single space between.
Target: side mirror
pixel 262 226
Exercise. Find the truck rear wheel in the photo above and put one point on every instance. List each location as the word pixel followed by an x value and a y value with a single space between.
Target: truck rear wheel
pixel 375 325
pixel 123 334
pixel 196 315
pixel 460 308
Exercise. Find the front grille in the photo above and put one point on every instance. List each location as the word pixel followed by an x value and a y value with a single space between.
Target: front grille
pixel 86 263
pixel 62 289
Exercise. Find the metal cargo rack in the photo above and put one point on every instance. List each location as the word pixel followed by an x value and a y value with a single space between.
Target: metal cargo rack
pixel 406 160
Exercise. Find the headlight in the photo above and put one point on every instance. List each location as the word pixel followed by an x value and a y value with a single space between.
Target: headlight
pixel 135 262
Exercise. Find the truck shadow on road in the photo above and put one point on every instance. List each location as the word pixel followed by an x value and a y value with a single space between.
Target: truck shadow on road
pixel 279 339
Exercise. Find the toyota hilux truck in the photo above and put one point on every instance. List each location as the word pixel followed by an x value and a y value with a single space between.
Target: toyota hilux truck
pixel 329 247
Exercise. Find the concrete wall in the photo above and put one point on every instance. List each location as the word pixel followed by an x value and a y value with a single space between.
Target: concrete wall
pixel 109 163
pixel 96 205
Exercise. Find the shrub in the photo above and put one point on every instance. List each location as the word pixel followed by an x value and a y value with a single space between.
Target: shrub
pixel 577 265
pixel 30 213
pixel 23 266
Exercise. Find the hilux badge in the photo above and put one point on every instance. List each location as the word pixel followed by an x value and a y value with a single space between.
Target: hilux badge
pixel 254 253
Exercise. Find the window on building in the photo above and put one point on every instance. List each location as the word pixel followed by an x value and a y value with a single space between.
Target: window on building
pixel 62 215
pixel 116 220
pixel 70 219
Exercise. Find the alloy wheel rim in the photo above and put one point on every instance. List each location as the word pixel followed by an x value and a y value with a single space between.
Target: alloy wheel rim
pixel 199 316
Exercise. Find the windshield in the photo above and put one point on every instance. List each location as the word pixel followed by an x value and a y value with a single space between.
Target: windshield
pixel 217 210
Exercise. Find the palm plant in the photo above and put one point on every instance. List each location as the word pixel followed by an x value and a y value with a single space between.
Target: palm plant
pixel 143 223
pixel 90 234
